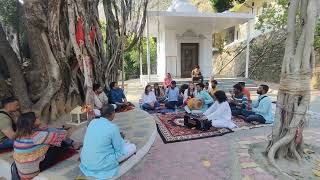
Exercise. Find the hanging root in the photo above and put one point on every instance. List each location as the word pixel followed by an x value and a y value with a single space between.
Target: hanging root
pixel 271 154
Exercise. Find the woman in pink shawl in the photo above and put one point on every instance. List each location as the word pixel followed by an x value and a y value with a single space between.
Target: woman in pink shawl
pixel 167 81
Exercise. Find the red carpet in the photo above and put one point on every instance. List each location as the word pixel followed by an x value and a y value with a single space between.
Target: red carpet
pixel 3 151
pixel 63 156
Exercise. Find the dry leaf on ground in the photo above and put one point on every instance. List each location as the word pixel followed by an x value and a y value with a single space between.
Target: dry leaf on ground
pixel 206 163
pixel 308 151
pixel 316 172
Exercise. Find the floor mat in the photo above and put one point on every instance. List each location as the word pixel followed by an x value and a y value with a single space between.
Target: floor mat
pixel 171 129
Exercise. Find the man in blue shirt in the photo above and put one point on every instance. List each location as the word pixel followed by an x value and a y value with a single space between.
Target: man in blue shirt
pixel 262 108
pixel 103 147
pixel 172 94
pixel 238 101
pixel 117 97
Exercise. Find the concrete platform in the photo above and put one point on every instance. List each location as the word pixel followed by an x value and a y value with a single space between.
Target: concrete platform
pixel 139 128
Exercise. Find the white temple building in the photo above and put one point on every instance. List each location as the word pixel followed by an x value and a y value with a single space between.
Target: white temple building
pixel 184 38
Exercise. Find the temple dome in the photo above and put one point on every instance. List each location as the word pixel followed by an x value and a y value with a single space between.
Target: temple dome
pixel 182 6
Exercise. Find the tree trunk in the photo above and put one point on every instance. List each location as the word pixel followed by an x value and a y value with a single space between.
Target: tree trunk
pixel 294 92
pixel 18 82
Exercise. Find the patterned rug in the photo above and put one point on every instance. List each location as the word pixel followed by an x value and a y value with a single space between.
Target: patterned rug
pixel 171 129
pixel 245 125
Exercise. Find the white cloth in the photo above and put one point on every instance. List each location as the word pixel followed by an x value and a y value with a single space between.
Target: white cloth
pixel 185 94
pixel 150 98
pixel 97 103
pixel 129 150
pixel 220 115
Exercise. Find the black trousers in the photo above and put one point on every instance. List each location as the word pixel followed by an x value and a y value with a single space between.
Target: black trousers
pixel 53 152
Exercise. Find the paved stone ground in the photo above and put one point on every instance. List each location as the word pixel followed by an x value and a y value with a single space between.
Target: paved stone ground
pixel 225 157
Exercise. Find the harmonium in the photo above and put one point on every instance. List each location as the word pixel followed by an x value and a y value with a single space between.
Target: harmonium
pixel 197 121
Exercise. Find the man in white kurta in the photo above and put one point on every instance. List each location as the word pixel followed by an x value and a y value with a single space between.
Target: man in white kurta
pixel 220 113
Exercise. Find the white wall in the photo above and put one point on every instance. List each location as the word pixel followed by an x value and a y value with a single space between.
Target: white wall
pixel 170 60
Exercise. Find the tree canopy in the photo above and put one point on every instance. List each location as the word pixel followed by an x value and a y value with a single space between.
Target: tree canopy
pixel 223 5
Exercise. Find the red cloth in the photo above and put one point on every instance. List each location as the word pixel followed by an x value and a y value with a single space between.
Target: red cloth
pixel 93 34
pixel 79 32
pixel 246 92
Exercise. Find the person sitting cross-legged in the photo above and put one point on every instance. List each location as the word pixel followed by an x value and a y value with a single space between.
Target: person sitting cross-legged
pixel 8 116
pixel 117 97
pixel 220 113
pixel 204 96
pixel 167 81
pixel 262 108
pixel 100 98
pixel 246 92
pixel 36 147
pixel 159 92
pixel 213 87
pixel 238 102
pixel 104 147
pixel 189 93
pixel 148 99
pixel 172 95
pixel 196 74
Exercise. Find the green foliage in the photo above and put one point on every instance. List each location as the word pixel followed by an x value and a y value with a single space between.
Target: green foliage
pixel 317 38
pixel 132 61
pixel 276 18
pixel 8 12
pixel 132 57
pixel 273 17
pixel 223 5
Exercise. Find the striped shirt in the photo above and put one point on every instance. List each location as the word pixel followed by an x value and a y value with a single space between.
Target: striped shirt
pixel 30 150
pixel 242 99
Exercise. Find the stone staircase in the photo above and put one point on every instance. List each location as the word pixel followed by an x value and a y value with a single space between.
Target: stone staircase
pixel 225 84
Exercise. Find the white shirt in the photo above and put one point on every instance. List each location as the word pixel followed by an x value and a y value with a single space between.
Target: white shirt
pixel 100 100
pixel 220 115
pixel 185 94
pixel 150 98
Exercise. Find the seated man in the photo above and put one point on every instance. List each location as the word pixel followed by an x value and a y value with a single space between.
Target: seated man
pixel 262 108
pixel 246 92
pixel 204 97
pixel 172 95
pixel 117 97
pixel 103 147
pixel 213 87
pixel 238 102
pixel 8 116
pixel 100 98
pixel 196 74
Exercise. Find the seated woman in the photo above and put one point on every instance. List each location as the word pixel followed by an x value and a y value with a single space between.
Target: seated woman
pixel 159 92
pixel 117 97
pixel 100 157
pixel 148 99
pixel 220 113
pixel 189 93
pixel 36 148
pixel 167 81
pixel 238 102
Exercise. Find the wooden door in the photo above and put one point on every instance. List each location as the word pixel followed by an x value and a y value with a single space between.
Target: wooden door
pixel 189 58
